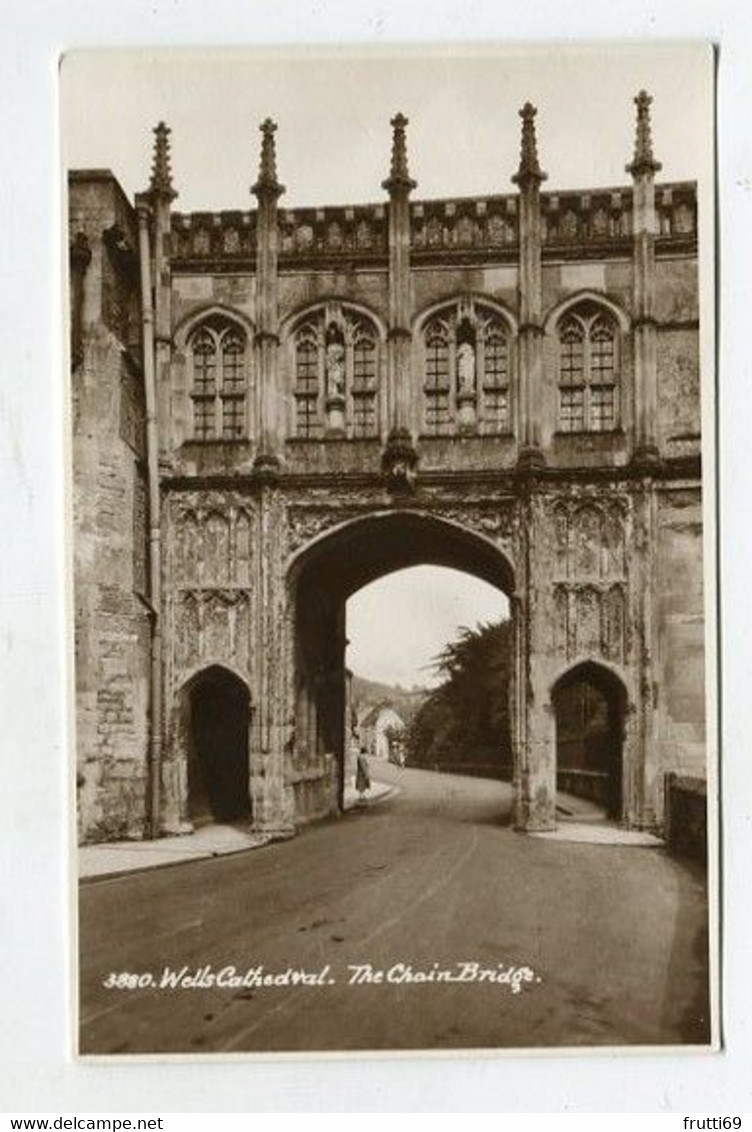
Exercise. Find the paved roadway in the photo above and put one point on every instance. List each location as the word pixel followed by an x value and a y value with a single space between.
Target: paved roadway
pixel 427 878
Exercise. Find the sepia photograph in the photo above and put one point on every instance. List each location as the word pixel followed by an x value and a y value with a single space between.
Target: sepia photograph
pixel 391 422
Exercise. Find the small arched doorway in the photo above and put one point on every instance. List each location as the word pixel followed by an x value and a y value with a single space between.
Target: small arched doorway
pixel 589 706
pixel 218 773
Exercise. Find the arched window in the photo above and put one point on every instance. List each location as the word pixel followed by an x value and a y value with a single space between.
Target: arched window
pixel 588 378
pixel 437 386
pixel 495 381
pixel 307 383
pixel 363 381
pixel 467 359
pixel 217 353
pixel 336 358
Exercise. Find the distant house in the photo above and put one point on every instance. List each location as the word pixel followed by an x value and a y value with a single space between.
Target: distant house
pixel 381 730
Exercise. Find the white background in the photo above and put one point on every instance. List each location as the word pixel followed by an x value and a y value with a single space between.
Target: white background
pixel 37 1072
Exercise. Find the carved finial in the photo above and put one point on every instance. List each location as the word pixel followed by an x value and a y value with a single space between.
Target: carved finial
pixel 161 174
pixel 644 162
pixel 399 176
pixel 267 182
pixel 529 171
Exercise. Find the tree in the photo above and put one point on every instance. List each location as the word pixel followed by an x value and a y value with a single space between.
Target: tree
pixel 465 724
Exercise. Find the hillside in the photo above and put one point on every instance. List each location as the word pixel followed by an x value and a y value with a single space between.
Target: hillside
pixel 405 701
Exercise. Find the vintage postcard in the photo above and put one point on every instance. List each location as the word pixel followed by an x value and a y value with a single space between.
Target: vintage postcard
pixel 391 431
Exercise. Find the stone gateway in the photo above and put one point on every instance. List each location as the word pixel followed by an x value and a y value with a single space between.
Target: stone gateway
pixel 274 407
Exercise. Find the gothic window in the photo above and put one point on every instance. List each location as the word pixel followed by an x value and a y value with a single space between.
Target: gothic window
pixel 336 362
pixel 437 386
pixel 495 381
pixel 204 361
pixel 364 383
pixel 588 379
pixel 307 383
pixel 467 371
pixel 217 350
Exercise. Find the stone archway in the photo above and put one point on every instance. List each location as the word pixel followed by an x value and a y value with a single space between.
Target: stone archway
pixel 218 716
pixel 321 579
pixel 589 704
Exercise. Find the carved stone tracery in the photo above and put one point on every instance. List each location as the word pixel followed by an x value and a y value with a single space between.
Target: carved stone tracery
pixel 212 543
pixel 307 522
pixel 590 587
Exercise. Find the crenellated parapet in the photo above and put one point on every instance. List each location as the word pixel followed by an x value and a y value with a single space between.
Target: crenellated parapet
pixel 358 231
pixel 575 224
pixel 200 239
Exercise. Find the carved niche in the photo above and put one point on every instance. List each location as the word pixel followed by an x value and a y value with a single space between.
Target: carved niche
pixel 211 545
pixel 210 563
pixel 212 625
pixel 363 236
pixel 590 590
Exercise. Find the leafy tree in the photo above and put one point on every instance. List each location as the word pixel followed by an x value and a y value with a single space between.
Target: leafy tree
pixel 464 723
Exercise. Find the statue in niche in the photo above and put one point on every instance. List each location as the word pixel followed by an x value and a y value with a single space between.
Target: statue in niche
pixel 496 230
pixel 231 241
pixel 363 235
pixel 465 368
pixel 335 368
pixel 201 242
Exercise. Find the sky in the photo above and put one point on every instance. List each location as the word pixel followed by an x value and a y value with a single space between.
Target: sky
pixel 333 109
pixel 397 625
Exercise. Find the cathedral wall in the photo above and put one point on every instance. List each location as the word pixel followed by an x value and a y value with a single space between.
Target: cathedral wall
pixel 611 277
pixel 433 284
pixel 193 293
pixel 680 632
pixel 112 630
pixel 678 361
pixel 678 391
pixel 304 288
pixel 677 297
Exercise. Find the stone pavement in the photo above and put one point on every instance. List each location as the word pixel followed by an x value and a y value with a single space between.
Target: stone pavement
pixel 215 840
pixel 581 821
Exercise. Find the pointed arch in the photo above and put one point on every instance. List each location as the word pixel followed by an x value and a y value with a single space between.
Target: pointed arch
pixel 216 342
pixel 588 330
pixel 309 334
pixel 586 295
pixel 194 318
pixel 214 706
pixel 589 702
pixel 466 351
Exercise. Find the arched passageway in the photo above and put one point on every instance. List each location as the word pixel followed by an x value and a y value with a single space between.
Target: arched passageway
pixel 333 569
pixel 589 705
pixel 218 772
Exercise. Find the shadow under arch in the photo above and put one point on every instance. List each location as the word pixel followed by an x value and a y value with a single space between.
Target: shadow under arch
pixel 331 569
pixel 590 704
pixel 215 719
pixel 361 550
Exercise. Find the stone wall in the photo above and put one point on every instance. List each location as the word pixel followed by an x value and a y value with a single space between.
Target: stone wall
pixel 678 423
pixel 680 629
pixel 112 623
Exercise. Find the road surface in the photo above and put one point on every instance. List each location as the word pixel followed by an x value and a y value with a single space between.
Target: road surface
pixel 391 914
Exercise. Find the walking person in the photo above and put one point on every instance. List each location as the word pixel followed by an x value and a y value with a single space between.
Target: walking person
pixel 362 777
